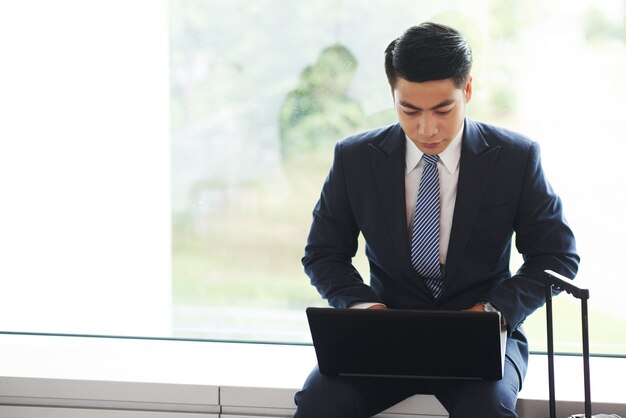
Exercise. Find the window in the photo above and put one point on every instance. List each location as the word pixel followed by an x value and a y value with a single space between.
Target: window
pixel 128 209
pixel 84 167
pixel 260 93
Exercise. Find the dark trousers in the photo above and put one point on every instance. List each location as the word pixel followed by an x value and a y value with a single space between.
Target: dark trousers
pixel 343 397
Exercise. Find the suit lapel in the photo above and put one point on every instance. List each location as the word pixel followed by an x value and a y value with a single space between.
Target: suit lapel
pixel 476 165
pixel 389 167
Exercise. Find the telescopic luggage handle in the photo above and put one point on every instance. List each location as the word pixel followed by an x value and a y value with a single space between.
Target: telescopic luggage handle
pixel 554 281
pixel 560 282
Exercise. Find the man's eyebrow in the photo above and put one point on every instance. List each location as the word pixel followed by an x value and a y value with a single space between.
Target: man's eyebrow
pixel 437 106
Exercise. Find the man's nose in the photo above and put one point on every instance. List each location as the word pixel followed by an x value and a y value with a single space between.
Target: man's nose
pixel 427 126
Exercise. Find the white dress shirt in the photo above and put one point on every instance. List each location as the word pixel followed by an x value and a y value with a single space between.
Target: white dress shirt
pixel 448 167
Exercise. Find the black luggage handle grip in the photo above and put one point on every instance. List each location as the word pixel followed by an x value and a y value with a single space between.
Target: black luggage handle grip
pixel 560 282
pixel 555 281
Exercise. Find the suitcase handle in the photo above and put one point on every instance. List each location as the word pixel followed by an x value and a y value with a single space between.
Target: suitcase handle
pixel 555 281
pixel 560 282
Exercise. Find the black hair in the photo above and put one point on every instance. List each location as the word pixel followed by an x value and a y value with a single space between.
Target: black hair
pixel 429 52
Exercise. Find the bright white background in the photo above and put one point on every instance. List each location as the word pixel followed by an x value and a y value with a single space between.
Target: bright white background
pixel 84 167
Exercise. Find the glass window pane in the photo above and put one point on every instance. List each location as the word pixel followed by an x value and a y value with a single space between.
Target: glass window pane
pixel 260 93
pixel 129 209
pixel 84 167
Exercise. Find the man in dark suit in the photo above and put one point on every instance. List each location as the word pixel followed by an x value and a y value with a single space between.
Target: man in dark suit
pixel 488 184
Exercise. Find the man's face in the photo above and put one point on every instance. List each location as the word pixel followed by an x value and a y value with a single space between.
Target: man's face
pixel 431 113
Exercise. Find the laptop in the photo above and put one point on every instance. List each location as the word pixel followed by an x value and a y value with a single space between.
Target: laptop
pixel 408 343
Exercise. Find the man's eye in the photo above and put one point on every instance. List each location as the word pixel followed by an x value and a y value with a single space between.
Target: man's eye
pixel 444 112
pixel 411 113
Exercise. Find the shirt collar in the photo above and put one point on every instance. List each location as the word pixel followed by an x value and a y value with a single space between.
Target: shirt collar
pixel 449 157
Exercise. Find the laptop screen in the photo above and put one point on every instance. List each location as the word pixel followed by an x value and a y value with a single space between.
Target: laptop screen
pixel 408 343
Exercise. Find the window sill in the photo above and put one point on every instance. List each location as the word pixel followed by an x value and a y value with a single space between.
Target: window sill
pixel 233 379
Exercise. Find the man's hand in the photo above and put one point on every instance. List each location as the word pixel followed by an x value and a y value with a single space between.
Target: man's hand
pixel 479 307
pixel 379 306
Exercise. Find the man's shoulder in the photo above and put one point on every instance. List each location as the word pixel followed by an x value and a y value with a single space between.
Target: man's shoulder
pixel 372 136
pixel 498 136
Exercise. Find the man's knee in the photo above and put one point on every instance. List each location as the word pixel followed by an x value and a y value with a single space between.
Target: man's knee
pixel 482 409
pixel 328 397
pixel 482 399
pixel 313 407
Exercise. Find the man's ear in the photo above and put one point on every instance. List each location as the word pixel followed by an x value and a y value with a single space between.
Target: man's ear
pixel 467 90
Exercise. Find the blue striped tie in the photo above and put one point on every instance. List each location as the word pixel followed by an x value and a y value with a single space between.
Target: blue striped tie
pixel 425 233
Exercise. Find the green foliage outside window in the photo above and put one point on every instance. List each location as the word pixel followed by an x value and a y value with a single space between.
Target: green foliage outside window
pixel 261 91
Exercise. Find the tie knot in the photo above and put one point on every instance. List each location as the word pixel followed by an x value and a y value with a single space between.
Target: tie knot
pixel 430 159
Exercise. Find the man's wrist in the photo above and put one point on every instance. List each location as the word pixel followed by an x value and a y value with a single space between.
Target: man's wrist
pixel 488 307
pixel 368 305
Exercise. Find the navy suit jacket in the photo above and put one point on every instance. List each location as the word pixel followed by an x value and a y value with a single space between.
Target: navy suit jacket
pixel 501 190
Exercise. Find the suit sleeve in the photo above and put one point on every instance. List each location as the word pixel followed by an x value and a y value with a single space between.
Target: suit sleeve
pixel 333 241
pixel 545 241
